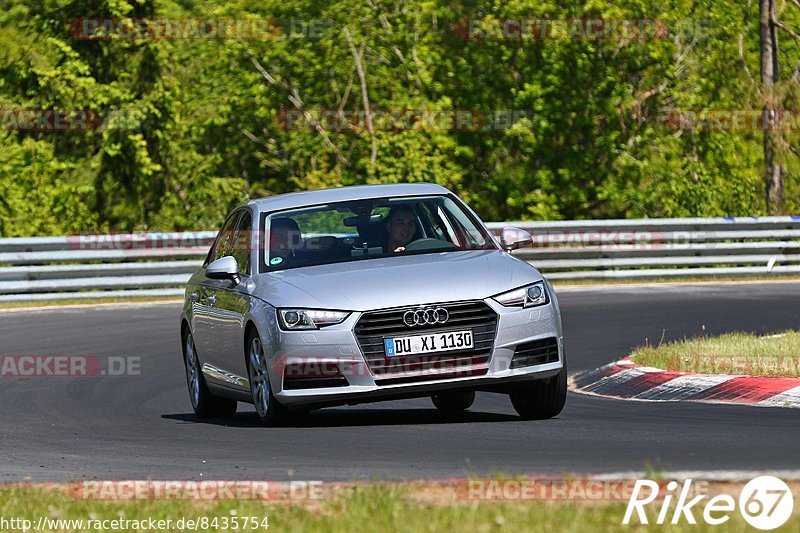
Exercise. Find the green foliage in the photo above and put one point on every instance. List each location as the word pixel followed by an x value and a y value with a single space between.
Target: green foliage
pixel 191 127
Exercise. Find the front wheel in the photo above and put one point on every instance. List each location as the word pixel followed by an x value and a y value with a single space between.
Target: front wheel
pixel 537 400
pixel 205 404
pixel 453 401
pixel 269 411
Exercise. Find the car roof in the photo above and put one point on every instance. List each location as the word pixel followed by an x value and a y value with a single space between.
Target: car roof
pixel 343 194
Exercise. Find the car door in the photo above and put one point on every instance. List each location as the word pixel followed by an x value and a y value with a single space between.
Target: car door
pixel 206 315
pixel 232 303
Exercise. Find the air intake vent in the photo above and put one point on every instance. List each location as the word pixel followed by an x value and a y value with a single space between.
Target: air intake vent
pixel 537 352
pixel 312 375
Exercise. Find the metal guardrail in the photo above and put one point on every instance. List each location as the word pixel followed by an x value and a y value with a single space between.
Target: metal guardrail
pixel 157 264
pixel 662 248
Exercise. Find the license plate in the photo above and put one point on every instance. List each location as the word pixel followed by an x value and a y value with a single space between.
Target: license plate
pixel 435 342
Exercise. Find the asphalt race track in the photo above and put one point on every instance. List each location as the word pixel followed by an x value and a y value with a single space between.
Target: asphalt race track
pixel 141 427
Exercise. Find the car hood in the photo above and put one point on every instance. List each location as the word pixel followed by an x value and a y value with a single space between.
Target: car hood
pixel 397 281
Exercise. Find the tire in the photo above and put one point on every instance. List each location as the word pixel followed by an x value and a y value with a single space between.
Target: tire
pixel 541 399
pixel 454 401
pixel 269 411
pixel 205 404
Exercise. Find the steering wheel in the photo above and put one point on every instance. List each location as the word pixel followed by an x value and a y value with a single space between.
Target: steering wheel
pixel 428 243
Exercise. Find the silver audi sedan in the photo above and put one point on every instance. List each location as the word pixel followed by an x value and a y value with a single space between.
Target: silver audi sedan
pixel 359 294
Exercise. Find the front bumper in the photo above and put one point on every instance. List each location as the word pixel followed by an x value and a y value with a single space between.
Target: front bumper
pixel 333 353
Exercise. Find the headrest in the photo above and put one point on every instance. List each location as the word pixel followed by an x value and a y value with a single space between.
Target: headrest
pixel 284 224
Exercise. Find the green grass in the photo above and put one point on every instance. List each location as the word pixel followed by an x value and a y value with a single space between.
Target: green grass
pixel 733 353
pixel 382 507
pixel 33 304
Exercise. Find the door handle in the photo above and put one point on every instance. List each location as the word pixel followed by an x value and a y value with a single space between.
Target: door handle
pixel 212 300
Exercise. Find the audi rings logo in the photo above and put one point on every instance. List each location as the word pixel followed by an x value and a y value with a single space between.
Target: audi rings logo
pixel 426 316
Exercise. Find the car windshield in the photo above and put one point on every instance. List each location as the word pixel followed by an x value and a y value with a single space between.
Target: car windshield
pixel 366 229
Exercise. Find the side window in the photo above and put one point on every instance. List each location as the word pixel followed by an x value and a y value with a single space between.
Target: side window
pixel 224 242
pixel 241 242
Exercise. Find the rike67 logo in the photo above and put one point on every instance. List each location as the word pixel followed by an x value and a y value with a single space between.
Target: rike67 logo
pixel 765 503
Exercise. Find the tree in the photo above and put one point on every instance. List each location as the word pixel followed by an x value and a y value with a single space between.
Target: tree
pixel 769 78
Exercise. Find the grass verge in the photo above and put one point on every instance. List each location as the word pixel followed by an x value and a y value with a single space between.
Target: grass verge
pixel 732 353
pixel 377 507
pixel 35 304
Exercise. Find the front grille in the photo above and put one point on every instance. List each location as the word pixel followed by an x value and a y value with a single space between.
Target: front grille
pixel 373 327
pixel 535 353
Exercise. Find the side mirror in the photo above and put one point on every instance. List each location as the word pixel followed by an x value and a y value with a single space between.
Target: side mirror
pixel 513 238
pixel 223 268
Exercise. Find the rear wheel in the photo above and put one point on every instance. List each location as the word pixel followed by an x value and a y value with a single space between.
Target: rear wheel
pixel 205 404
pixel 269 411
pixel 454 401
pixel 537 400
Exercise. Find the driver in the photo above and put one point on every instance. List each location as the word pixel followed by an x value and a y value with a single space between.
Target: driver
pixel 400 228
pixel 284 239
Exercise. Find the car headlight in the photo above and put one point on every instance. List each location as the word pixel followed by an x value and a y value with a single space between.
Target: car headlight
pixel 527 296
pixel 294 319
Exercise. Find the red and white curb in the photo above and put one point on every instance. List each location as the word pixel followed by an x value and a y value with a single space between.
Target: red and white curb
pixel 625 379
